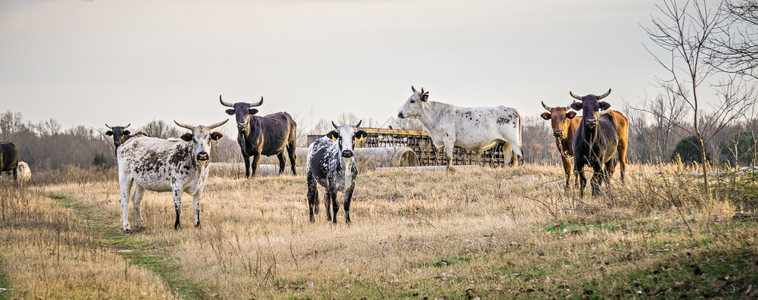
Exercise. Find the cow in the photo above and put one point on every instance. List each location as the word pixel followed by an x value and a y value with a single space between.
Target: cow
pixel 176 165
pixel 565 123
pixel 595 141
pixel 564 126
pixel 9 159
pixel 331 164
pixel 476 129
pixel 267 135
pixel 24 173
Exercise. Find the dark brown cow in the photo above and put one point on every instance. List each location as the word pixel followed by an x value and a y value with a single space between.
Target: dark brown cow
pixel 9 159
pixel 565 123
pixel 595 141
pixel 267 135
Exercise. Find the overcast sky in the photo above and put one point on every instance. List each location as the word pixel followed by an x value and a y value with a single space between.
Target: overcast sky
pixel 117 62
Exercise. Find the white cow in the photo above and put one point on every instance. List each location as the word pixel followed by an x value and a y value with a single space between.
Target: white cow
pixel 472 128
pixel 165 165
pixel 24 173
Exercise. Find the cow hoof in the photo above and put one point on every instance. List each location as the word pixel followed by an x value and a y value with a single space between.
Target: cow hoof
pixel 451 169
pixel 198 225
pixel 127 231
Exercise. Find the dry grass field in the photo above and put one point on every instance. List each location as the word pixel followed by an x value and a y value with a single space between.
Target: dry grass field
pixel 484 232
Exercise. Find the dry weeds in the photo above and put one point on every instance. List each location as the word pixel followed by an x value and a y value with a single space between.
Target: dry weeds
pixel 487 232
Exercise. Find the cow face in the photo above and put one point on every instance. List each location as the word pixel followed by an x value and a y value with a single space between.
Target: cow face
pixel 590 106
pixel 242 111
pixel 415 104
pixel 345 137
pixel 119 134
pixel 200 137
pixel 559 118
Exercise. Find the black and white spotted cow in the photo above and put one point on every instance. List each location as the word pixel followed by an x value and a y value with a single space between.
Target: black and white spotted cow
pixel 176 165
pixel 331 164
pixel 471 128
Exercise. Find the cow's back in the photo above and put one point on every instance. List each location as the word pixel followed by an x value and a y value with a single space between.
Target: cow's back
pixel 8 156
pixel 278 130
pixel 483 127
pixel 322 158
pixel 154 163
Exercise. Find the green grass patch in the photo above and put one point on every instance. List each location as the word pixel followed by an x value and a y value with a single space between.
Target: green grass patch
pixel 135 249
pixel 5 283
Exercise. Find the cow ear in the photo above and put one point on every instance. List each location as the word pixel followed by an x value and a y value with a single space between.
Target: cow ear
pixel 187 137
pixel 576 106
pixel 605 105
pixel 127 132
pixel 230 112
pixel 109 132
pixel 425 97
pixel 252 111
pixel 333 135
pixel 216 135
pixel 570 115
pixel 545 116
pixel 360 134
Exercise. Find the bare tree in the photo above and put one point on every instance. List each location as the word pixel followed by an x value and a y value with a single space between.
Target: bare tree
pixel 667 111
pixel 685 33
pixel 736 49
pixel 160 129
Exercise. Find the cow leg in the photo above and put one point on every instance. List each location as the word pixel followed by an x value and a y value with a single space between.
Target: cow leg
pixel 582 180
pixel 596 178
pixel 449 149
pixel 348 197
pixel 328 204
pixel 247 165
pixel 126 186
pixel 196 207
pixel 139 191
pixel 15 174
pixel 622 158
pixel 254 166
pixel 335 207
pixel 312 195
pixel 567 168
pixel 280 156
pixel 291 151
pixel 609 166
pixel 177 192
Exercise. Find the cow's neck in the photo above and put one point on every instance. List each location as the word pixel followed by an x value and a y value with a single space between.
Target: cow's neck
pixel 431 115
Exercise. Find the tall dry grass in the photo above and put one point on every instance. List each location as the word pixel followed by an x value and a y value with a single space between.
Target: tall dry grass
pixel 493 232
pixel 48 253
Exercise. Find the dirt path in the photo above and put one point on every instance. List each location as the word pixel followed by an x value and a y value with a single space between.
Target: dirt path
pixel 135 249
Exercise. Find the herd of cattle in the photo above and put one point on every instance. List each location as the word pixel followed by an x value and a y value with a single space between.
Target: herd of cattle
pixel 181 164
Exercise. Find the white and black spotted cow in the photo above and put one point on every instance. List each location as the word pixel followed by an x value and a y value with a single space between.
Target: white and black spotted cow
pixel 472 128
pixel 331 164
pixel 177 165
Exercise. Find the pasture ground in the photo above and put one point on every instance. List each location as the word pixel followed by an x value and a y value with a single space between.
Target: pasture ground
pixel 488 233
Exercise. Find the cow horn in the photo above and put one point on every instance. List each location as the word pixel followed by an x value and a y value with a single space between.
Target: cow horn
pixel 604 95
pixel 335 125
pixel 258 104
pixel 127 126
pixel 106 125
pixel 545 106
pixel 217 124
pixel 224 103
pixel 413 89
pixel 575 96
pixel 422 91
pixel 184 125
pixel 359 123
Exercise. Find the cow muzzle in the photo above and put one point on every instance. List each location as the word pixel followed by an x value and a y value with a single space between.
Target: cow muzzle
pixel 347 153
pixel 591 123
pixel 203 156
pixel 558 133
pixel 401 115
